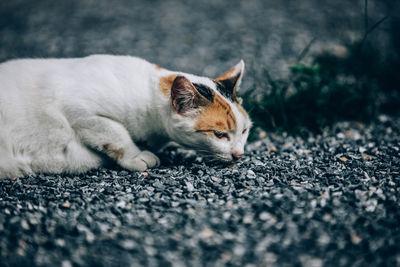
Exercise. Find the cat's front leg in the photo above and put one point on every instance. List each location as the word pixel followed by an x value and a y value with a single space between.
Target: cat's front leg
pixel 111 138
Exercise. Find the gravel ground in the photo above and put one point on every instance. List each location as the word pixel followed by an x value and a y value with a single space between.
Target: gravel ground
pixel 330 200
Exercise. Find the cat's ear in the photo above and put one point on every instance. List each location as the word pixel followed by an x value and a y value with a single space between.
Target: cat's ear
pixel 185 96
pixel 231 80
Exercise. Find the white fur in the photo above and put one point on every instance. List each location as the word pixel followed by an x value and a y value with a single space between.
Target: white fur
pixel 56 114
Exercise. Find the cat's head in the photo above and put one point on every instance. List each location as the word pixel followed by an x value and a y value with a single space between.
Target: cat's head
pixel 206 114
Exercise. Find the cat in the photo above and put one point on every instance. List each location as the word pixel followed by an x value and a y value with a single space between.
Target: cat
pixel 73 115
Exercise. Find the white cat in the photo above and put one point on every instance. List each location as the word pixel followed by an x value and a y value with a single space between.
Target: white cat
pixel 72 115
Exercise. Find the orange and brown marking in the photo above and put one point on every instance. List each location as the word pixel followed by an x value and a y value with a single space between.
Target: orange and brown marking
pixel 165 84
pixel 112 151
pixel 217 116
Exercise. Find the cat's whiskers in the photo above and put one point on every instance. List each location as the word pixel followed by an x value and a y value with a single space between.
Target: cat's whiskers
pixel 216 157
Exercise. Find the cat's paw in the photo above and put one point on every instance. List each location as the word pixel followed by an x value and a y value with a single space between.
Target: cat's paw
pixel 144 160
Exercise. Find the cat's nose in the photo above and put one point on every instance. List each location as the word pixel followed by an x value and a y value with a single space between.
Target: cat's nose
pixel 236 155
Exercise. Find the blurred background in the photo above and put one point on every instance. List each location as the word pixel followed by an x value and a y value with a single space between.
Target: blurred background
pixel 308 63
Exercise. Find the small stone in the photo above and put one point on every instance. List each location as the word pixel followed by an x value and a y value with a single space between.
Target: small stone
pixel 251 174
pixel 150 250
pixel 248 219
pixel 323 239
pixel 60 242
pixel 128 244
pixel 90 237
pixel 24 224
pixel 270 257
pixel 20 252
pixel 322 202
pixel 120 204
pixel 258 162
pixel 143 200
pixel 30 207
pixel 262 134
pixel 66 204
pixel 22 243
pixel 216 179
pixel 206 233
pixel 371 205
pixel 356 239
pixel 383 118
pixel 88 234
pixel 343 159
pixel 66 263
pixel 264 216
pixel 239 250
pixel 340 51
pixel 189 186
pixel 366 157
pixel 226 215
pixel 340 135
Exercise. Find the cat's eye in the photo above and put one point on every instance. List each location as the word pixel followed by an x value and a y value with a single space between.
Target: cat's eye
pixel 245 130
pixel 220 135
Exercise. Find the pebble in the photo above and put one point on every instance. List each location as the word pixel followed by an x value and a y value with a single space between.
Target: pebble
pixel 264 216
pixel 251 174
pixel 189 186
pixel 128 244
pixel 66 263
pixel 25 225
pixel 206 233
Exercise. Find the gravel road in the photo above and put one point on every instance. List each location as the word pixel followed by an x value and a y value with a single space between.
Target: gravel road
pixel 325 200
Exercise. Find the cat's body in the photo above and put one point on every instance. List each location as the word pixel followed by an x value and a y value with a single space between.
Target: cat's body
pixel 69 115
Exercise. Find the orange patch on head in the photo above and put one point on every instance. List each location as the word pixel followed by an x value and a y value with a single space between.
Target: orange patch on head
pixel 165 84
pixel 219 123
pixel 217 116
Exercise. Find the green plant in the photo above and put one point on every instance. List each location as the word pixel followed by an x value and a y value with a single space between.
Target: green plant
pixel 358 86
pixel 331 89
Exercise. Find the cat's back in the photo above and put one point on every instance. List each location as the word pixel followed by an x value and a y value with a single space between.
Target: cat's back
pixel 23 82
pixel 17 69
pixel 38 78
